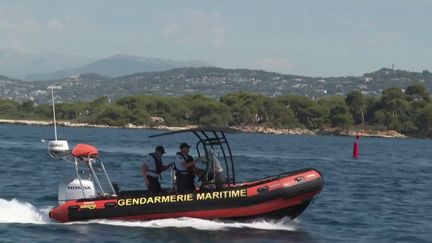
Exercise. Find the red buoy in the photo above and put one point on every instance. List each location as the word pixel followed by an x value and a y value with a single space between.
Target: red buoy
pixel 356 149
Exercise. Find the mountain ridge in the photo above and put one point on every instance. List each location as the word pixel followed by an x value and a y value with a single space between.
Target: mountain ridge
pixel 118 65
pixel 212 81
pixel 17 64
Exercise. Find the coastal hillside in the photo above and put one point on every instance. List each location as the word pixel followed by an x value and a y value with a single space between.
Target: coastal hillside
pixel 211 81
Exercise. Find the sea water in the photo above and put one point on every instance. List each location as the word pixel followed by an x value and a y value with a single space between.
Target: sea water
pixel 384 196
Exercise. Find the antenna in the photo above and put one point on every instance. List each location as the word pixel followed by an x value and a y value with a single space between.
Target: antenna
pixel 53 108
pixel 57 148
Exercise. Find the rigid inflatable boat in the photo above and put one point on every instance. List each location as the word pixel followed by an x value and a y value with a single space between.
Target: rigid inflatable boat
pixel 92 195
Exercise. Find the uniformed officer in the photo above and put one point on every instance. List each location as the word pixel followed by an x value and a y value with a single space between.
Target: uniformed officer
pixel 185 169
pixel 152 168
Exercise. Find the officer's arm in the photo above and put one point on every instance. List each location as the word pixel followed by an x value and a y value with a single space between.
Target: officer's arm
pixel 144 168
pixel 189 164
pixel 166 167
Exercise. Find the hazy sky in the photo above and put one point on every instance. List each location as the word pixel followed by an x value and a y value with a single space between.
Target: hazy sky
pixel 317 38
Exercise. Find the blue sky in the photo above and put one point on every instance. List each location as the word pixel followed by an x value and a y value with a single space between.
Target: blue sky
pixel 315 38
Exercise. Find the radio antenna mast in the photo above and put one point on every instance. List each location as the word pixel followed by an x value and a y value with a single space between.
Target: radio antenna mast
pixel 53 108
pixel 57 148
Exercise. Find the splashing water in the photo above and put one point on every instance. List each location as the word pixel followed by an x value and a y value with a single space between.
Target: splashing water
pixel 14 211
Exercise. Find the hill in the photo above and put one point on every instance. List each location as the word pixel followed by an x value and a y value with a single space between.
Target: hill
pixel 211 81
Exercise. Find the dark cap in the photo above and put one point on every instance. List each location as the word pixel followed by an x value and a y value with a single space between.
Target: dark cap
pixel 184 145
pixel 161 149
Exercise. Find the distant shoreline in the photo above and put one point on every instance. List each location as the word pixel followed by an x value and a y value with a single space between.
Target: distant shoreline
pixel 245 129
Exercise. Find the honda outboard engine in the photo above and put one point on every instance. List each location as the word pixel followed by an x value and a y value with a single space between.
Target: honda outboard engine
pixel 72 190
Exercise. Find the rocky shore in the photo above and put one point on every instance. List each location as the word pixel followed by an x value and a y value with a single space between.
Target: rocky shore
pixel 327 131
pixel 247 129
pixel 361 132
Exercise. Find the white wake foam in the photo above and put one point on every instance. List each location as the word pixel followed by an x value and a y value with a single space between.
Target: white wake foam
pixel 14 211
pixel 200 224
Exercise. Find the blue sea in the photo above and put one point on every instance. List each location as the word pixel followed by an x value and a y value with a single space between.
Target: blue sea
pixel 384 196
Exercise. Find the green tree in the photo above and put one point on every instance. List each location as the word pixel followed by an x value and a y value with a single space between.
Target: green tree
pixel 112 116
pixel 308 112
pixel 394 100
pixel 243 107
pixel 27 106
pixel 339 114
pixel 373 104
pixel 206 111
pixel 317 116
pixel 43 111
pixel 9 108
pixel 131 102
pixel 299 105
pixel 278 115
pixel 417 92
pixel 356 104
pixel 103 100
pixel 424 121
